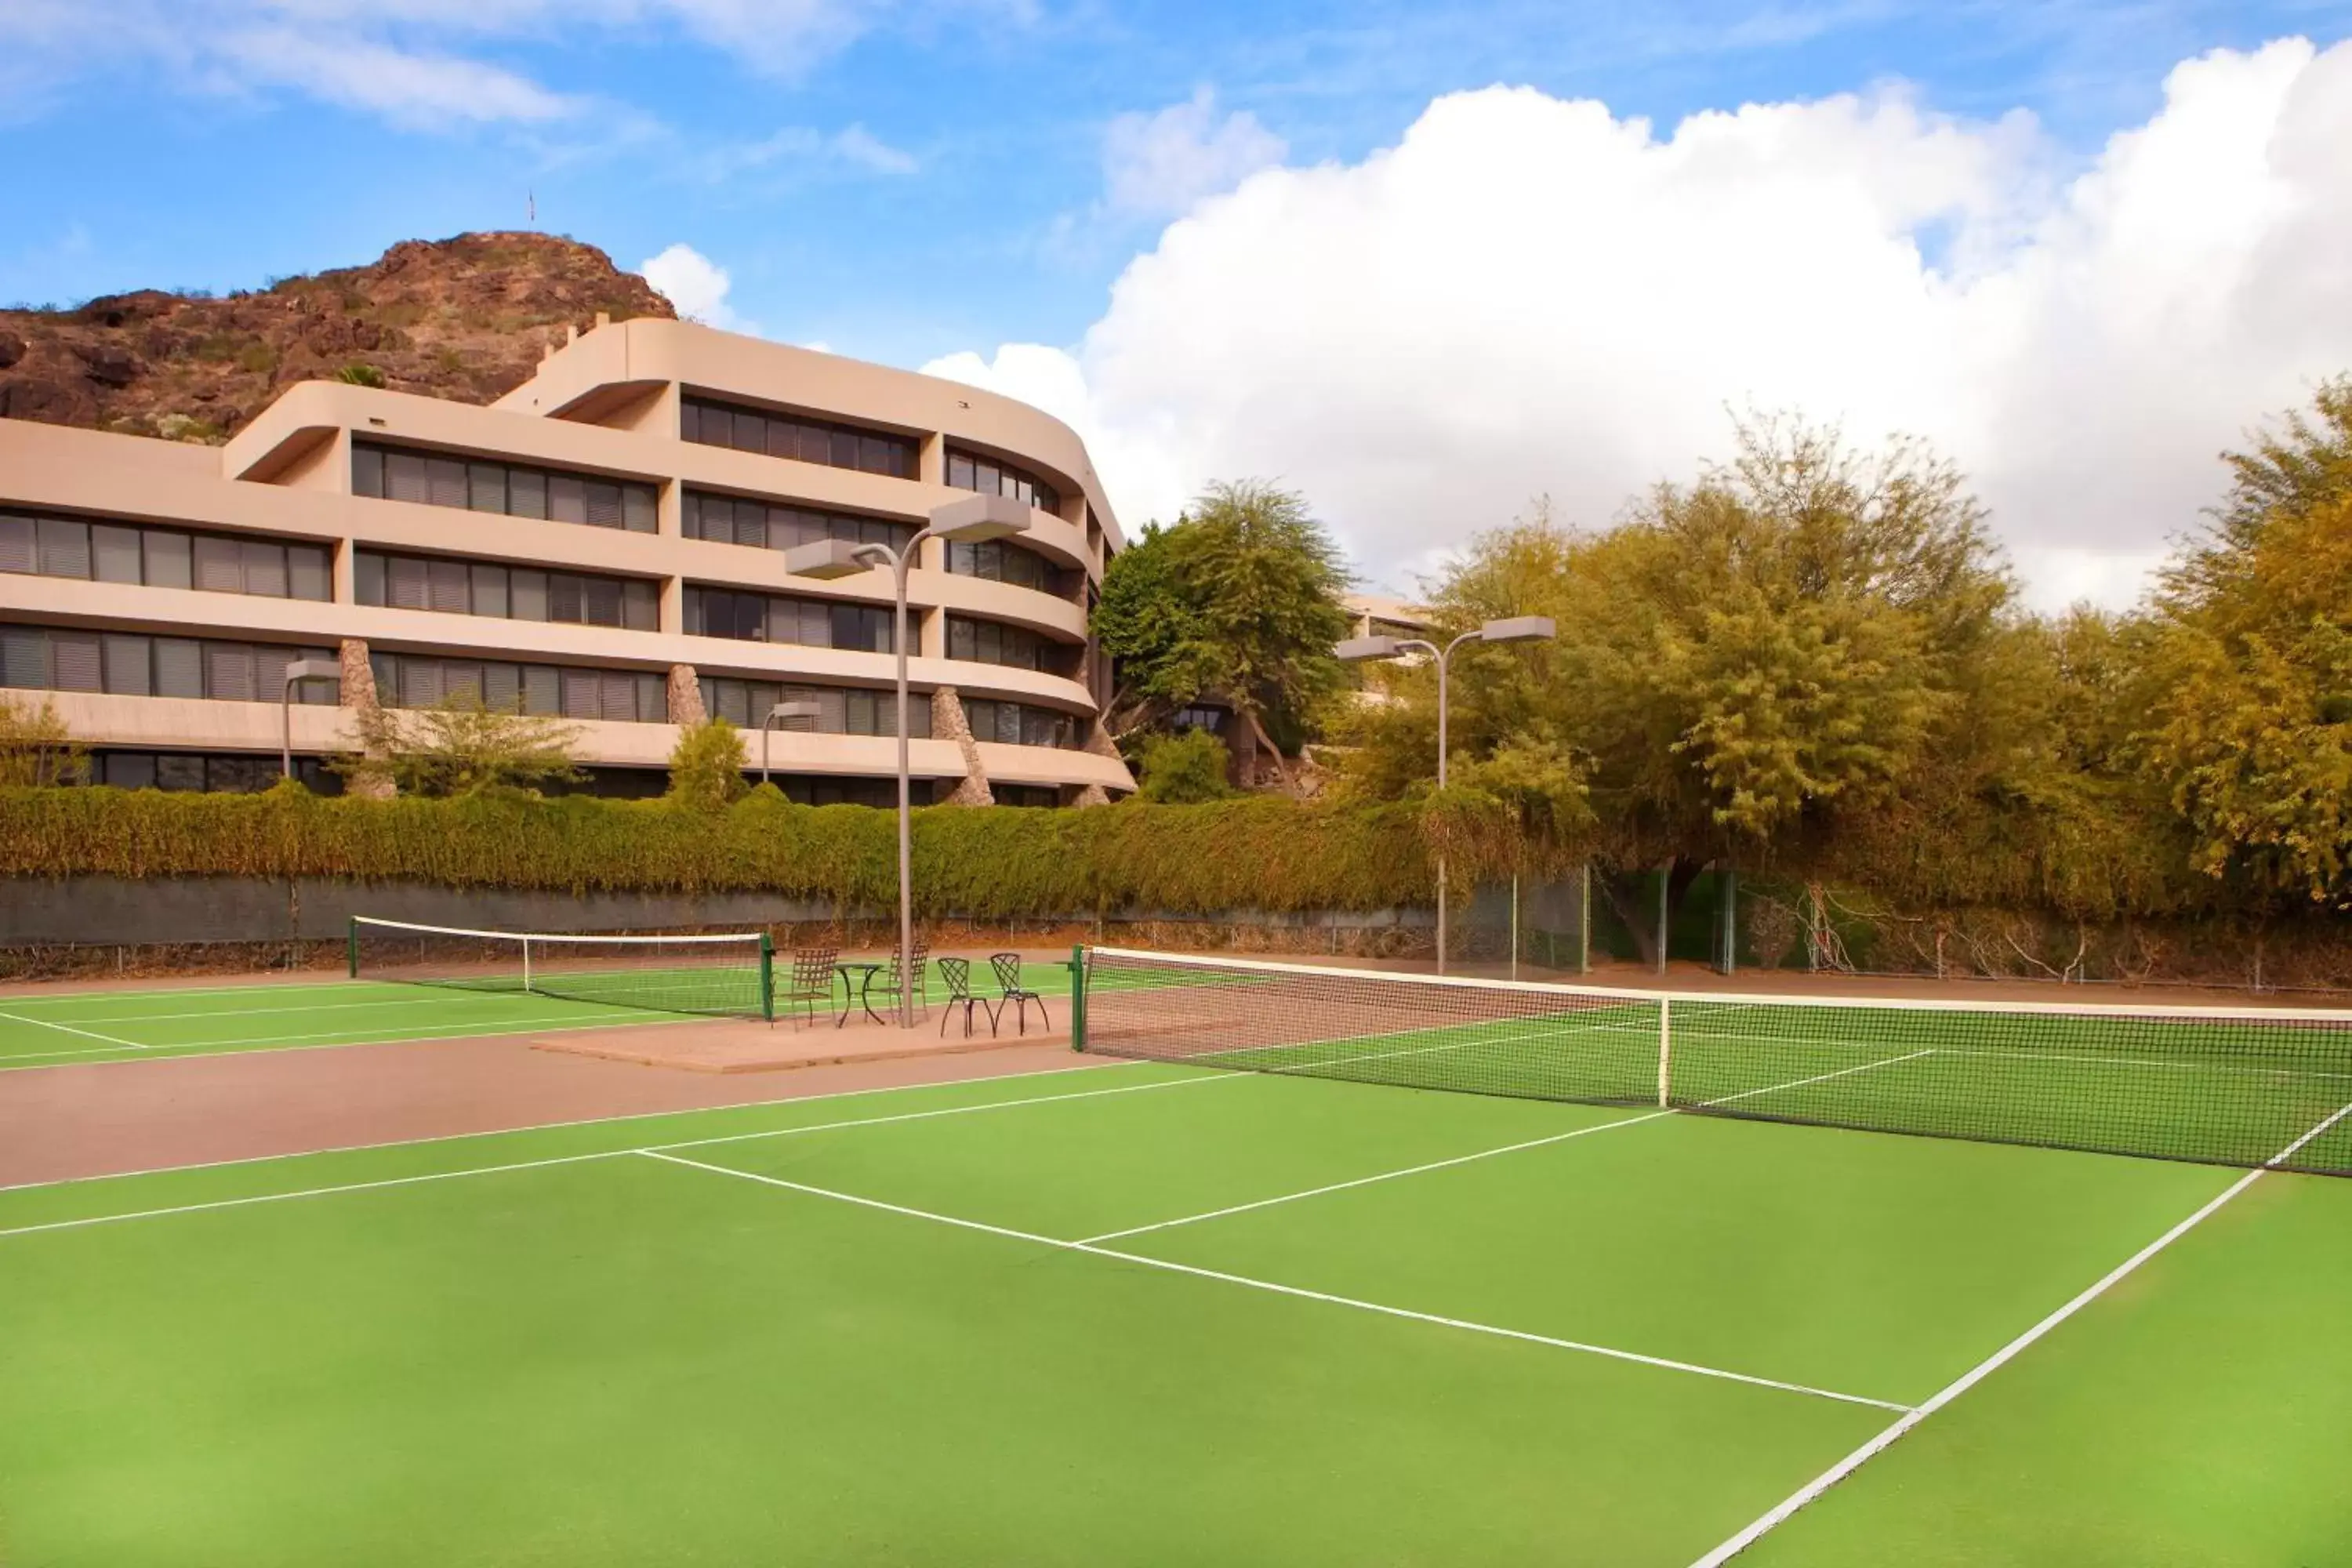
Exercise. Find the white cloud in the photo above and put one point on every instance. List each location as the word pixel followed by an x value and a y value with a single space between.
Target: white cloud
pixel 408 61
pixel 800 150
pixel 695 285
pixel 858 145
pixel 1528 296
pixel 416 91
pixel 1158 165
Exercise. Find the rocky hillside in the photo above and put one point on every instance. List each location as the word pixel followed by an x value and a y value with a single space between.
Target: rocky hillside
pixel 464 319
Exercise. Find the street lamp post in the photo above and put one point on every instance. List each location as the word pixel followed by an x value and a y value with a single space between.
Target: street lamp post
pixel 1512 628
pixel 299 670
pixel 786 714
pixel 969 520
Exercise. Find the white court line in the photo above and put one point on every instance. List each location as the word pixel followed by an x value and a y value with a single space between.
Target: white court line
pixel 1812 1490
pixel 1487 1153
pixel 1368 1180
pixel 259 986
pixel 446 999
pixel 417 1034
pixel 86 1221
pixel 1817 1078
pixel 1168 1266
pixel 530 1129
pixel 69 1028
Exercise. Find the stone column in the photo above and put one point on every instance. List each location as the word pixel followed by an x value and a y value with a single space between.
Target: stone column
pixel 685 695
pixel 358 694
pixel 948 723
pixel 1098 744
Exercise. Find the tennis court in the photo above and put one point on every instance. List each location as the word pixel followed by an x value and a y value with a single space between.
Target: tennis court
pixel 1160 1312
pixel 42 1029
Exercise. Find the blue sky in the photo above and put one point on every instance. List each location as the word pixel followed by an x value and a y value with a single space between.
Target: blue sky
pixel 2079 245
pixel 977 214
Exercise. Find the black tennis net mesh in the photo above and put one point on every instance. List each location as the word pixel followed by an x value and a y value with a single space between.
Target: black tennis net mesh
pixel 726 975
pixel 2249 1087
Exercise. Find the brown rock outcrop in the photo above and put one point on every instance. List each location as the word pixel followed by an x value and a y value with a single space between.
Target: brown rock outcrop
pixel 465 319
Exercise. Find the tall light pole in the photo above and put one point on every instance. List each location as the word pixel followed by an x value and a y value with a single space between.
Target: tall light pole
pixel 1513 629
pixel 786 714
pixel 968 522
pixel 300 669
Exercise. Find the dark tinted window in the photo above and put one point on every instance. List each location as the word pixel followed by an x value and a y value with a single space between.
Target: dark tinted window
pixel 994 477
pixel 738 520
pixel 515 490
pixel 798 436
pixel 842 711
pixel 61 659
pixel 162 557
pixel 487 588
pixel 414 680
pixel 994 642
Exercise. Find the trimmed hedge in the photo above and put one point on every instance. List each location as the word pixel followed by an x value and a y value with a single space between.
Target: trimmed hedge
pixel 1246 854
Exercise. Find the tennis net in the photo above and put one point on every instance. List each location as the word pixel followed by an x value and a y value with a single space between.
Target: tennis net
pixel 2248 1087
pixel 730 975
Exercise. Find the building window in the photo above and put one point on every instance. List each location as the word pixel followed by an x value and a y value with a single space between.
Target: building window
pixel 797 436
pixel 109 552
pixel 1210 719
pixel 842 710
pixel 622 696
pixel 134 664
pixel 510 592
pixel 994 561
pixel 807 623
pixel 736 520
pixel 1025 795
pixel 994 642
pixel 826 789
pixel 395 473
pixel 1019 725
pixel 994 476
pixel 212 772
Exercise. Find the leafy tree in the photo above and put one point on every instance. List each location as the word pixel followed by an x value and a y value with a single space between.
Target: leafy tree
pixel 1745 664
pixel 36 748
pixel 1237 600
pixel 2250 675
pixel 1188 767
pixel 461 747
pixel 706 767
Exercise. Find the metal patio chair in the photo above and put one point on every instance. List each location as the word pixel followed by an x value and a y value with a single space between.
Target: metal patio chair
pixel 811 983
pixel 1008 981
pixel 957 973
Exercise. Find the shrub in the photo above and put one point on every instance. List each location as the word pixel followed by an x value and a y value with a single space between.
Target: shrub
pixel 360 375
pixel 706 769
pixel 1183 769
pixel 460 747
pixel 36 748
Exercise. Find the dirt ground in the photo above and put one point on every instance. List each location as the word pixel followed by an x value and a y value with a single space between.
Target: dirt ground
pixel 59 1123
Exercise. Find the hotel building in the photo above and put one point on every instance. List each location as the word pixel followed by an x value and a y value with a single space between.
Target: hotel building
pixel 604 544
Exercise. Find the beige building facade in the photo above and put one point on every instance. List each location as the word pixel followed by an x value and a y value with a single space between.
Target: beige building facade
pixel 605 544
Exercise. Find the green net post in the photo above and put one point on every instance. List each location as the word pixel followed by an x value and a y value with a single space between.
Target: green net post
pixel 351 945
pixel 1078 997
pixel 767 977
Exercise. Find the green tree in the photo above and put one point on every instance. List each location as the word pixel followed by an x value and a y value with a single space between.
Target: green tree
pixel 2250 671
pixel 36 748
pixel 1185 768
pixel 1237 600
pixel 706 767
pixel 461 747
pixel 1745 666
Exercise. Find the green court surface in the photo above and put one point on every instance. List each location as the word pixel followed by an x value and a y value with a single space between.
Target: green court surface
pixel 52 1028
pixel 1154 1314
